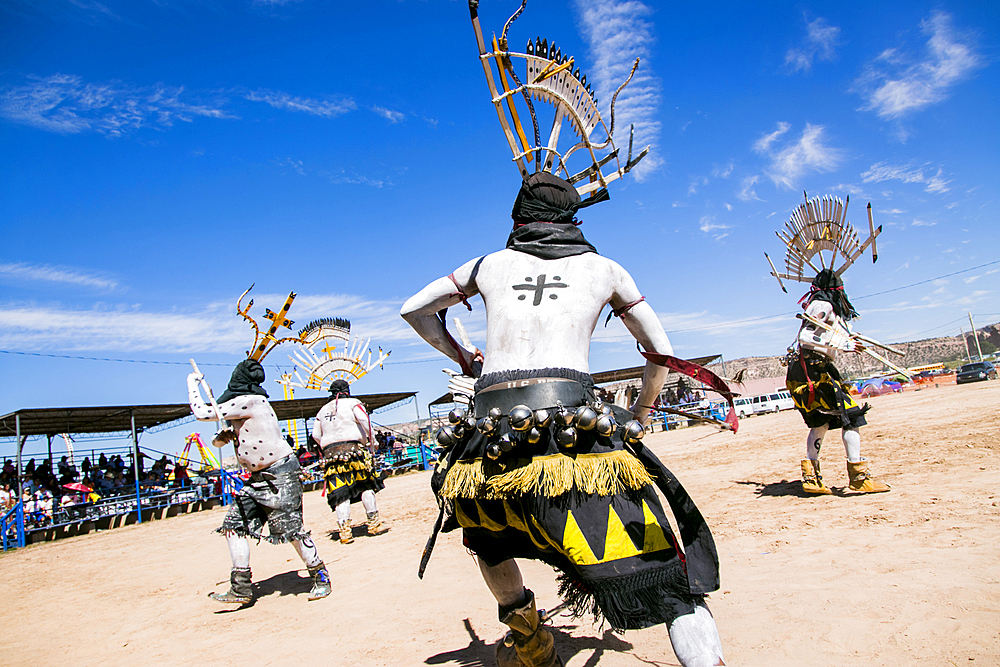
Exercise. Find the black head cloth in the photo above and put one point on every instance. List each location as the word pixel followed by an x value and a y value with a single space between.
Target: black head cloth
pixel 543 215
pixel 340 388
pixel 828 286
pixel 544 197
pixel 247 379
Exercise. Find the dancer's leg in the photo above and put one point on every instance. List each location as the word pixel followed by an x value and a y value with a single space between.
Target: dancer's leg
pixel 814 441
pixel 344 511
pixel 307 551
pixel 695 639
pixel 505 582
pixel 239 551
pixel 368 500
pixel 852 444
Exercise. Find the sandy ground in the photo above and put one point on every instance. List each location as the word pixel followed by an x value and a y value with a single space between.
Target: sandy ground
pixel 909 577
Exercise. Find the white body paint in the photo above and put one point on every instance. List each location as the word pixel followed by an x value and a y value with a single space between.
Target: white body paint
pixel 825 341
pixel 259 443
pixel 528 329
pixel 342 420
pixel 529 333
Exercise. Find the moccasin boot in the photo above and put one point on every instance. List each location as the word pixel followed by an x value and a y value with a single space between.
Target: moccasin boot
pixel 812 481
pixel 346 534
pixel 375 525
pixel 861 481
pixel 529 643
pixel 239 591
pixel 321 581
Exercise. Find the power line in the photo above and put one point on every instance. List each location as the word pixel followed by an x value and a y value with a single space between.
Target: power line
pixel 124 361
pixel 717 325
pixel 929 280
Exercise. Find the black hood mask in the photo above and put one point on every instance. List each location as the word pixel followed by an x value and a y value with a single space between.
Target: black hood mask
pixel 828 286
pixel 247 379
pixel 340 388
pixel 544 217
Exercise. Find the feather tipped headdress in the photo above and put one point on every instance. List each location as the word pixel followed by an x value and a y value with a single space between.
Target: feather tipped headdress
pixel 816 225
pixel 330 354
pixel 544 74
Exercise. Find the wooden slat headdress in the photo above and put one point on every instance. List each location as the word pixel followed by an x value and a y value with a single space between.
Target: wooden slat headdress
pixel 552 77
pixel 816 225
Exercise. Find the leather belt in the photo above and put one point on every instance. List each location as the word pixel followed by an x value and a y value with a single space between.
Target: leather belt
pixel 340 447
pixel 536 393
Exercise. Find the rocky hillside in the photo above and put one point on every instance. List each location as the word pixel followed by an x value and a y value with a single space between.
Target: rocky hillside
pixel 918 353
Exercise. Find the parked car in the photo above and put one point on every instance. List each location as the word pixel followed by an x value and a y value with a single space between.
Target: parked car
pixel 743 406
pixel 974 372
pixel 773 402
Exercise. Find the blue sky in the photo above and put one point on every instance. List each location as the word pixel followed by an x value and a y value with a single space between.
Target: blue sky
pixel 159 157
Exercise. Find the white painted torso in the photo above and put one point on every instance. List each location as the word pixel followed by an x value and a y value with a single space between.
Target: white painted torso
pixel 541 313
pixel 341 420
pixel 259 443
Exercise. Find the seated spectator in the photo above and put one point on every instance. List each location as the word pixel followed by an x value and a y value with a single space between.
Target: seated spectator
pixel 102 462
pixel 151 484
pixel 180 475
pixel 106 482
pixel 6 502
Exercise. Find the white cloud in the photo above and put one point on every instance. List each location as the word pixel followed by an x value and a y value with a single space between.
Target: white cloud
pixel 294 165
pixel 907 173
pixel 618 32
pixel 821 38
pixel 895 85
pixel 284 101
pixel 763 145
pixel 35 273
pixel 798 158
pixel 708 225
pixel 723 171
pixel 922 223
pixel 354 179
pixel 67 105
pixel 211 328
pixel 389 114
pixel 747 191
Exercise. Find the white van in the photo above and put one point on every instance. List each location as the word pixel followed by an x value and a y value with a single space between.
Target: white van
pixel 779 400
pixel 743 406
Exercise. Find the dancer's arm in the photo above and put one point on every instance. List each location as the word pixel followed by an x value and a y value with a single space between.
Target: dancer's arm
pixel 642 322
pixel 420 311
pixel 237 408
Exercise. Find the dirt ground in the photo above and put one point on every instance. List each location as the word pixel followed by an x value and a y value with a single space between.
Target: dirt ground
pixel 909 577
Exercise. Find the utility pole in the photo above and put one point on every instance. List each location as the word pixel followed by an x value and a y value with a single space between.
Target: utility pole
pixel 976 336
pixel 966 343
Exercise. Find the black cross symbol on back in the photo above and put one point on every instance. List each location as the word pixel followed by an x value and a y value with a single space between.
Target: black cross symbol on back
pixel 538 288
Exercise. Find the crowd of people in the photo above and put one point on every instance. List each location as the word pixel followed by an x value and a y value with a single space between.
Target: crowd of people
pixel 390 448
pixel 48 489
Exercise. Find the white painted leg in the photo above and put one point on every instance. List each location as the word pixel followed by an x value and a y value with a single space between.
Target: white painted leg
pixel 852 444
pixel 307 551
pixel 239 551
pixel 814 441
pixel 344 511
pixel 695 639
pixel 368 500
